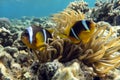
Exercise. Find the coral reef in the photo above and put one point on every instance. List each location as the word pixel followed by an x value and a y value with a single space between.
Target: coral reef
pixel 45 22
pixel 108 11
pixel 100 53
pixel 5 22
pixel 7 38
pixel 10 65
pixel 98 59
pixel 79 5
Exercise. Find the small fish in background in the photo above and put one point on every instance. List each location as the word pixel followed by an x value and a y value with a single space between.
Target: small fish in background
pixel 35 37
pixel 80 31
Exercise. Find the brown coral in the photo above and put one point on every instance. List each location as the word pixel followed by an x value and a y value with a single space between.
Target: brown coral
pixel 107 10
pixel 80 5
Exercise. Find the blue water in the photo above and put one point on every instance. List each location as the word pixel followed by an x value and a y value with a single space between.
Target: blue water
pixel 37 8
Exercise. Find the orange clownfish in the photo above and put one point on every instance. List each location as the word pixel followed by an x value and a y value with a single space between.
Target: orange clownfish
pixel 80 31
pixel 35 37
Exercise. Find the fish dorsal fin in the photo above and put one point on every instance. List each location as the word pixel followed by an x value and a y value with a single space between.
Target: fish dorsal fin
pixel 85 25
pixel 67 29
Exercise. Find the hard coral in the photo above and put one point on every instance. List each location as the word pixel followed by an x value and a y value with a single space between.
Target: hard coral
pixel 45 71
pixel 79 5
pixel 5 22
pixel 108 10
pixel 7 38
pixel 72 72
pixel 99 52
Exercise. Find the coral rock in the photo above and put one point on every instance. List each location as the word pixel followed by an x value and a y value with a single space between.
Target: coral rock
pixel 72 72
pixel 45 71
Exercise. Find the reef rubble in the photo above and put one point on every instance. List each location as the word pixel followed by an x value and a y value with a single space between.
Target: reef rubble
pixel 17 62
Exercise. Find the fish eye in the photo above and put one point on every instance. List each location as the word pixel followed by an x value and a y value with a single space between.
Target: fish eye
pixel 25 33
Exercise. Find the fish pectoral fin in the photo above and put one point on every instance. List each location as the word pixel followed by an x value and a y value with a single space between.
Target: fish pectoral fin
pixel 85 36
pixel 50 30
pixel 85 40
pixel 63 36
pixel 87 31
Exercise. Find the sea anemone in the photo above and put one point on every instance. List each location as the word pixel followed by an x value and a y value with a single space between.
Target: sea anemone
pixel 62 49
pixel 99 52
pixel 64 19
pixel 67 17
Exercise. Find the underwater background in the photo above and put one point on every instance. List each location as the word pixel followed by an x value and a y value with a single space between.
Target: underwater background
pixel 61 58
pixel 37 8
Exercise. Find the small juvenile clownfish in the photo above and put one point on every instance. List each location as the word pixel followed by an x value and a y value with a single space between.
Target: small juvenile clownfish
pixel 35 37
pixel 80 31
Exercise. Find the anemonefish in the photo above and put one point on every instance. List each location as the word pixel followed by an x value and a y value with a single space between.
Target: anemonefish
pixel 35 37
pixel 80 31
